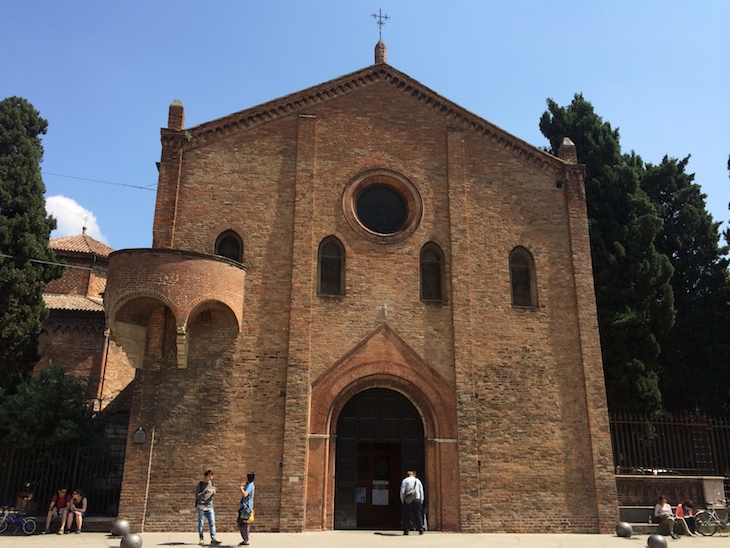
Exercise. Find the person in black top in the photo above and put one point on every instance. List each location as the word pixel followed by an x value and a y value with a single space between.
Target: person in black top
pixel 204 493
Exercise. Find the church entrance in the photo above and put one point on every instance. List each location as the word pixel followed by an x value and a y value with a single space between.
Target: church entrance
pixel 380 436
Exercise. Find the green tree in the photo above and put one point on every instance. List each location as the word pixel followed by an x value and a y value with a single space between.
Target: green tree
pixel 633 294
pixel 49 411
pixel 695 359
pixel 25 228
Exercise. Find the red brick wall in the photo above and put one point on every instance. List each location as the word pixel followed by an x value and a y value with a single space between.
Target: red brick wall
pixel 526 385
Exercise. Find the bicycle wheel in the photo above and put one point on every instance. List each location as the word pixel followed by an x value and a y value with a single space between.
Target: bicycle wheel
pixel 29 526
pixel 3 524
pixel 705 524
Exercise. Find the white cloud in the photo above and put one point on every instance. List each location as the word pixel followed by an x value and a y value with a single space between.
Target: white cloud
pixel 71 217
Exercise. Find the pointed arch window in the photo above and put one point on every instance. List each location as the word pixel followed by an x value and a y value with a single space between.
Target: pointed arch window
pixel 522 278
pixel 432 273
pixel 229 245
pixel 331 267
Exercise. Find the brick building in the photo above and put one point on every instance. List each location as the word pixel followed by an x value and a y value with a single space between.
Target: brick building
pixel 354 280
pixel 74 336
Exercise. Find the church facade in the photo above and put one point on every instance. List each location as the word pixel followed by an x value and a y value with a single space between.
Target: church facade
pixel 356 280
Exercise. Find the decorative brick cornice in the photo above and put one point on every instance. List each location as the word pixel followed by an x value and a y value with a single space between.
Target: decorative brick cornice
pixel 306 99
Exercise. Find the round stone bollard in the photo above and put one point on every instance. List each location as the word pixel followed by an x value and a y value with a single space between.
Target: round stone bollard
pixel 656 541
pixel 624 529
pixel 120 528
pixel 135 541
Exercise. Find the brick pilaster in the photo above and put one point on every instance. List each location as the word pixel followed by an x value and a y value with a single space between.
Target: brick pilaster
pixel 604 481
pixel 469 512
pixel 294 470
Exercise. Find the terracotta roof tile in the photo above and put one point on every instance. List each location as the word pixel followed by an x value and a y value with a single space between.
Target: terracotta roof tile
pixel 56 301
pixel 81 243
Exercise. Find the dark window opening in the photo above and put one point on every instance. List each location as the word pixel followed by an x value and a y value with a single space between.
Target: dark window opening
pixel 229 245
pixel 522 278
pixel 431 273
pixel 331 267
pixel 382 209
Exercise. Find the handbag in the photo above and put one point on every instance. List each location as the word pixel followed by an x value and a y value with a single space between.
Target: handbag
pixel 245 514
pixel 410 495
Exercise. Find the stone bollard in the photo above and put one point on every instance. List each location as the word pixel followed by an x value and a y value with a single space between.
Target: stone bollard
pixel 656 541
pixel 120 528
pixel 624 529
pixel 133 541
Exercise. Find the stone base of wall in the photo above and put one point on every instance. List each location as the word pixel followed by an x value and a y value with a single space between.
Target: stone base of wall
pixel 642 490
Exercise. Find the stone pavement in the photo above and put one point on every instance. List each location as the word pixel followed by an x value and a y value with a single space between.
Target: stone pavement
pixel 361 539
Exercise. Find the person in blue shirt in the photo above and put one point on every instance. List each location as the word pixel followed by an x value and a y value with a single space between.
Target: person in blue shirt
pixel 411 495
pixel 247 492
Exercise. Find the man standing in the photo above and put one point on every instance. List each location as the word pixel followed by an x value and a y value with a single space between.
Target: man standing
pixel 204 494
pixel 411 495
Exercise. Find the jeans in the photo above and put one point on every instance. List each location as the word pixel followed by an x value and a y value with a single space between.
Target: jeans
pixel 210 514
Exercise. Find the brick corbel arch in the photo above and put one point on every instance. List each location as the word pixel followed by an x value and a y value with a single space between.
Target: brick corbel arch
pixel 384 360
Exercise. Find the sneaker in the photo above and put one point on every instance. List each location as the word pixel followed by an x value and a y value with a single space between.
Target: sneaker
pixel 45 532
pixel 60 532
pixel 78 531
pixel 214 541
pixel 201 542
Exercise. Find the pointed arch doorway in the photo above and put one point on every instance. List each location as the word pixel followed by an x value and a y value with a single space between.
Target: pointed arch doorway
pixel 380 435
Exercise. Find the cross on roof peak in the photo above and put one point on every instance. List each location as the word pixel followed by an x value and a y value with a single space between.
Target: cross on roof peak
pixel 381 19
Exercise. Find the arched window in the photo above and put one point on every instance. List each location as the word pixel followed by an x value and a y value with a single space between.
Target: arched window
pixel 331 267
pixel 432 268
pixel 522 278
pixel 229 245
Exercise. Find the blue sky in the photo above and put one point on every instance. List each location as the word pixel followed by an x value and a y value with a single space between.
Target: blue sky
pixel 103 74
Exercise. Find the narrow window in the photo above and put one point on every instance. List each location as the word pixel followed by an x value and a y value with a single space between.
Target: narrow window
pixel 331 267
pixel 229 245
pixel 432 263
pixel 522 278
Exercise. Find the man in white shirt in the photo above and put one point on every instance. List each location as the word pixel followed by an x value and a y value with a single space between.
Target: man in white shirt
pixel 411 495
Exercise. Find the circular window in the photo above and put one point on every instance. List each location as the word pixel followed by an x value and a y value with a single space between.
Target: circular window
pixel 382 205
pixel 382 209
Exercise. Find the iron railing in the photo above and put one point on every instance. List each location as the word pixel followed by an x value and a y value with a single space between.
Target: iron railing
pixel 30 477
pixel 689 444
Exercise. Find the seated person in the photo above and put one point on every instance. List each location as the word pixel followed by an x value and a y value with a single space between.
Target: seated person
pixel 686 513
pixel 56 508
pixel 76 509
pixel 665 516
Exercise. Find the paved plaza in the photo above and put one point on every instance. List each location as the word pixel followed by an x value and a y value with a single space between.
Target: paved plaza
pixel 361 539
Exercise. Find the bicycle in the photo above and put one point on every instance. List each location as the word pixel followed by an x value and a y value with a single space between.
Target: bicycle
pixel 708 522
pixel 17 519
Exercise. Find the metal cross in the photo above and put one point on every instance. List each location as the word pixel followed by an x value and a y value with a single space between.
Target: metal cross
pixel 380 21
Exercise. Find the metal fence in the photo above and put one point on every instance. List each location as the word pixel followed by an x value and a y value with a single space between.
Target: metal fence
pixel 690 444
pixel 30 477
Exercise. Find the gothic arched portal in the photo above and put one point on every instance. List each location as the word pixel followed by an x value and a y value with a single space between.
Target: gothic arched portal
pixel 380 436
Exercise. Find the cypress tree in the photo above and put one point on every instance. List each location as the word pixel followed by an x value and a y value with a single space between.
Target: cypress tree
pixel 25 228
pixel 633 294
pixel 695 360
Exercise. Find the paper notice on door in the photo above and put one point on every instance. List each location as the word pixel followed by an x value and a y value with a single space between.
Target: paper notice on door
pixel 380 497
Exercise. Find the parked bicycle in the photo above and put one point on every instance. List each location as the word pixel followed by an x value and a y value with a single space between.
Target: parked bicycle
pixel 17 519
pixel 708 522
